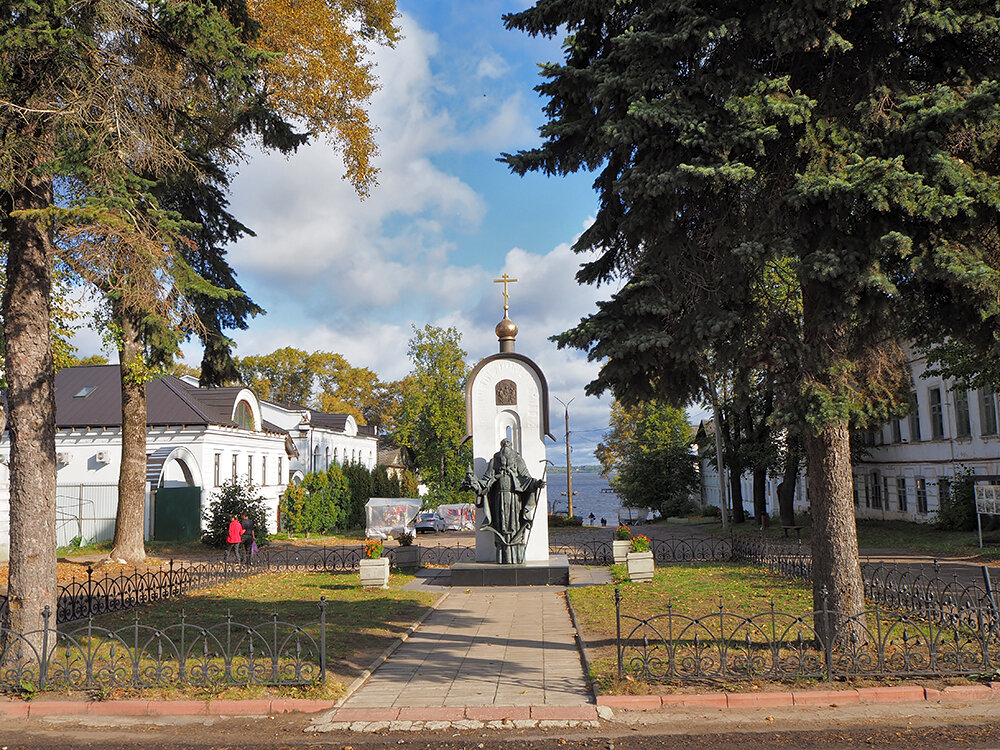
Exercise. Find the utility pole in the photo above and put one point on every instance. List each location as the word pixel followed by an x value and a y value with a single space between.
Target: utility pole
pixel 569 465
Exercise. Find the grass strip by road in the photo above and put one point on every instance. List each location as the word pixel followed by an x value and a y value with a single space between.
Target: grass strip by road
pixel 361 623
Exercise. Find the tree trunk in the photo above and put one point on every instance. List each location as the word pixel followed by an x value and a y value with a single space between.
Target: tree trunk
pixel 736 491
pixel 786 490
pixel 836 569
pixel 827 352
pixel 128 543
pixel 760 494
pixel 31 410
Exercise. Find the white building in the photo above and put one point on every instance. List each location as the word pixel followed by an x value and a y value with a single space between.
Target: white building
pixel 908 463
pixel 911 461
pixel 196 439
pixel 321 439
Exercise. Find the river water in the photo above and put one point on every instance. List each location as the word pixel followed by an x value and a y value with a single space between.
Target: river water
pixel 588 497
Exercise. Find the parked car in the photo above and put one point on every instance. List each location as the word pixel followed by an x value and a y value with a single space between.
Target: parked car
pixel 427 521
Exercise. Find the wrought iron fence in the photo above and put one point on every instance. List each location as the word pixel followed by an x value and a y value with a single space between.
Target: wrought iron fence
pixel 905 588
pixel 823 644
pixel 98 595
pixel 693 549
pixel 139 656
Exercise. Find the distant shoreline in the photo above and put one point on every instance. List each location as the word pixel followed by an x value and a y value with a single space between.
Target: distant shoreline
pixel 586 469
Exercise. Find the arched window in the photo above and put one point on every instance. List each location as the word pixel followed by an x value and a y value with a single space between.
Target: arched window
pixel 244 416
pixel 328 457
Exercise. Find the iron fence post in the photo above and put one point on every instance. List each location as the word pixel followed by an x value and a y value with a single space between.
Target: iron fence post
pixel 618 628
pixel 43 661
pixel 991 600
pixel 322 639
pixel 827 635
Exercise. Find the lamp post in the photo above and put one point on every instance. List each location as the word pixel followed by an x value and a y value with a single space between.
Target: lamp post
pixel 569 465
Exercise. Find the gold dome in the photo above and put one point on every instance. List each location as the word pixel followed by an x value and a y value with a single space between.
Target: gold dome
pixel 506 329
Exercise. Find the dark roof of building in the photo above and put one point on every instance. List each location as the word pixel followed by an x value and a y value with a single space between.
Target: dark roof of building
pixel 336 422
pixel 90 396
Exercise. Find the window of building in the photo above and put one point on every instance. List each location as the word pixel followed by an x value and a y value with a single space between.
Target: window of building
pixel 914 418
pixel 280 467
pixel 937 415
pixel 235 475
pixel 901 493
pixel 250 468
pixel 944 491
pixel 897 432
pixel 336 457
pixel 315 459
pixel 218 469
pixel 328 456
pixel 243 416
pixel 876 491
pixel 263 471
pixel 963 427
pixel 920 487
pixel 987 411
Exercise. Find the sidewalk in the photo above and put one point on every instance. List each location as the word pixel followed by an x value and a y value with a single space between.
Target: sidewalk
pixel 484 647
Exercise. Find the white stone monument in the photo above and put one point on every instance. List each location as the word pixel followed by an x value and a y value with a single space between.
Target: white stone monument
pixel 507 396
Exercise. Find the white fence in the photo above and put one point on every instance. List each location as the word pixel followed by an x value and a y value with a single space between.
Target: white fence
pixel 85 512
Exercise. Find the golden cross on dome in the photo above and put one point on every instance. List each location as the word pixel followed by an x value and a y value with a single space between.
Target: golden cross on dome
pixel 505 279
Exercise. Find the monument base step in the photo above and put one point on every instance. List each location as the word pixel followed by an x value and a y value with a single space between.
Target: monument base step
pixel 551 572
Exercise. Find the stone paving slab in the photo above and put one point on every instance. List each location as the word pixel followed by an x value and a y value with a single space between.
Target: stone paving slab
pixel 484 647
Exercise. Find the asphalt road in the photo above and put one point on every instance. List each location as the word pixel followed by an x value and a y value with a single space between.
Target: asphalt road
pixel 932 728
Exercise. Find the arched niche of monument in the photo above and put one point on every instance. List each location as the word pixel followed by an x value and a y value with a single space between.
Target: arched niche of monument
pixel 508 425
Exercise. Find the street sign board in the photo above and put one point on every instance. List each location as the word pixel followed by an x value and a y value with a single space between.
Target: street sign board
pixel 988 498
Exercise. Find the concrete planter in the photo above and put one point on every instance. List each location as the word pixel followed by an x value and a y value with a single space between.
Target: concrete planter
pixel 640 565
pixel 619 548
pixel 375 573
pixel 408 557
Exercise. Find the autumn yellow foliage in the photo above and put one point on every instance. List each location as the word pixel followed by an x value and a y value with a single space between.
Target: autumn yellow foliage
pixel 322 74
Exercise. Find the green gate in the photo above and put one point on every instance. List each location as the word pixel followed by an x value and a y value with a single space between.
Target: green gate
pixel 177 514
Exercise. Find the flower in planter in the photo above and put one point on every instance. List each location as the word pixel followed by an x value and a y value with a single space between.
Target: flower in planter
pixel 640 543
pixel 405 539
pixel 623 533
pixel 373 549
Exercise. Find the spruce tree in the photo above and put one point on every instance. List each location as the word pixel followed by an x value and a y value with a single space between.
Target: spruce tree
pixel 853 143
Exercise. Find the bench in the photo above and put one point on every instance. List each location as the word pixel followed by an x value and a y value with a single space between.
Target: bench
pixel 796 529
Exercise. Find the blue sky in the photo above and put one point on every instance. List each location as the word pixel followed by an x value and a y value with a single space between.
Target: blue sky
pixel 338 274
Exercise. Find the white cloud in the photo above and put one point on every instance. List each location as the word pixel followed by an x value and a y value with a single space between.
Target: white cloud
pixel 492 66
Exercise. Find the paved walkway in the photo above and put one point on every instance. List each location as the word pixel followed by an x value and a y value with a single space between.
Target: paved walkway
pixel 484 647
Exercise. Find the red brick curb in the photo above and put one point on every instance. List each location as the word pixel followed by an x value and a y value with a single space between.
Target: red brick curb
pixel 897 694
pixel 13 709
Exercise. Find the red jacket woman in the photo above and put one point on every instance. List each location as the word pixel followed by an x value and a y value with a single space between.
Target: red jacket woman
pixel 233 539
pixel 235 532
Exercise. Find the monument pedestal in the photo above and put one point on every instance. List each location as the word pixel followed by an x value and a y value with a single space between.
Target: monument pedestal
pixel 551 572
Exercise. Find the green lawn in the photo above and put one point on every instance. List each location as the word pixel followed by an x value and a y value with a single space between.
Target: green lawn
pixel 692 590
pixel 361 623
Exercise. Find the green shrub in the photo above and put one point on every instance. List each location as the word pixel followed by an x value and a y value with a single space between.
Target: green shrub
pixel 711 511
pixel 558 520
pixel 234 498
pixel 957 507
pixel 336 498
